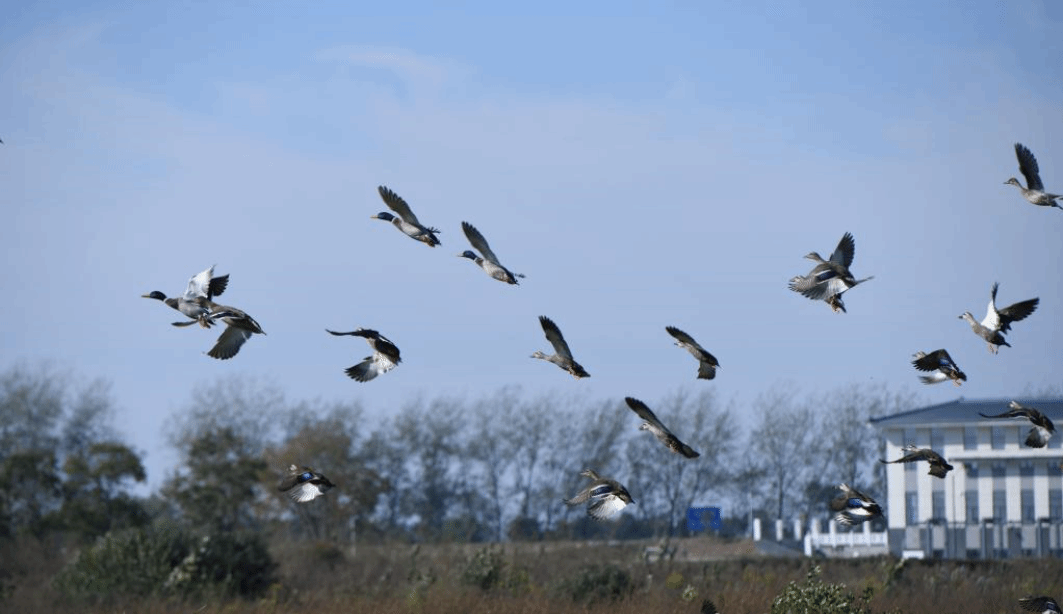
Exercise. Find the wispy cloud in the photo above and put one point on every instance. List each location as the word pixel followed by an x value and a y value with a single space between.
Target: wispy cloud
pixel 421 74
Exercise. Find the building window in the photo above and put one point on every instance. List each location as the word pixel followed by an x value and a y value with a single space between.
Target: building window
pixel 972 506
pixel 997 437
pixel 972 470
pixel 1000 506
pixel 937 504
pixel 1055 504
pixel 999 470
pixel 937 440
pixel 1026 469
pixel 1027 505
pixel 911 507
pixel 970 437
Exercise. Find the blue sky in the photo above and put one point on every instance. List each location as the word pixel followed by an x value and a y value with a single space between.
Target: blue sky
pixel 643 167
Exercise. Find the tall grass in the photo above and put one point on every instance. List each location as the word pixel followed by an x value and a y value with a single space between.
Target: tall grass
pixel 539 577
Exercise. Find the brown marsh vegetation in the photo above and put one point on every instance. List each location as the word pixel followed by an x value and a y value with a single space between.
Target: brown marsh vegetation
pixel 561 577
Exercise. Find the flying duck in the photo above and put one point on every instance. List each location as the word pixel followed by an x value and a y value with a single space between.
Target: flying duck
pixel 941 366
pixel 938 466
pixel 606 497
pixel 707 363
pixel 660 431
pixel 304 484
pixel 1042 430
pixel 562 356
pixel 998 321
pixel 829 279
pixel 1044 605
pixel 196 300
pixel 1034 192
pixel 239 328
pixel 489 263
pixel 853 507
pixel 385 355
pixel 406 222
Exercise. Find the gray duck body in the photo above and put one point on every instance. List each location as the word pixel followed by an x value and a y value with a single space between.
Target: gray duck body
pixel 829 279
pixel 303 485
pixel 652 424
pixel 940 366
pixel 1044 605
pixel 385 356
pixel 406 222
pixel 1042 429
pixel 238 329
pixel 939 467
pixel 489 262
pixel 196 302
pixel 562 356
pixel 853 507
pixel 605 497
pixel 707 363
pixel 1034 192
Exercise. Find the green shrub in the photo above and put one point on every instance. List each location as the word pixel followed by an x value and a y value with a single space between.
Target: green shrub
pixel 157 561
pixel 596 583
pixel 131 562
pixel 816 597
pixel 484 570
pixel 229 563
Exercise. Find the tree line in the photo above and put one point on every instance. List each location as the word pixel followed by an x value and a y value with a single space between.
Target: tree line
pixel 493 468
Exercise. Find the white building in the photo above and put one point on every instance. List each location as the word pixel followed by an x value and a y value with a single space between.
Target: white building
pixel 1002 499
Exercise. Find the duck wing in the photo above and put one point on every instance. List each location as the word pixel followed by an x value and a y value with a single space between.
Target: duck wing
pixel 846 250
pixel 1028 168
pixel 479 242
pixel 915 455
pixel 294 478
pixel 934 361
pixel 230 342
pixel 1016 312
pixel 553 335
pixel 367 333
pixel 823 282
pixel 1045 605
pixel 687 342
pixel 646 414
pixel 398 205
pixel 199 284
pixel 1034 415
pixel 368 369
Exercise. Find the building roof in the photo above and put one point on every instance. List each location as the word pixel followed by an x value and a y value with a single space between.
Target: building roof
pixel 965 411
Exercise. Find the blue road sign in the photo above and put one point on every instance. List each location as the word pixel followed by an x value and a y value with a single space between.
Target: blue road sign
pixel 700 518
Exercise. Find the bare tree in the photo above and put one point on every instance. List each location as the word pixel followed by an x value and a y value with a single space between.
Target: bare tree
pixel 387 457
pixel 31 406
pixel 430 436
pixel 493 452
pixel 784 445
pixel 850 436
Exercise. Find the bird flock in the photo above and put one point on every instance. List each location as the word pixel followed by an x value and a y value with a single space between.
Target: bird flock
pixel 827 281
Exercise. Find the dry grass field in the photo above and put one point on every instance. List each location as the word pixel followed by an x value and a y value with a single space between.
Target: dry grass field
pixel 543 577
